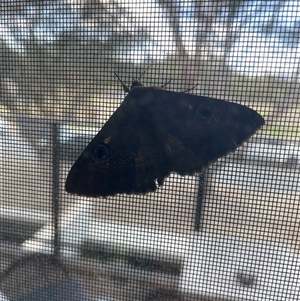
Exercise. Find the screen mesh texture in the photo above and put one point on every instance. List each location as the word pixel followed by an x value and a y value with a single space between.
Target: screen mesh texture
pixel 227 232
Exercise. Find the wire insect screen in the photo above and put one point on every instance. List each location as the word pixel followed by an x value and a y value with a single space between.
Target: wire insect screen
pixel 180 196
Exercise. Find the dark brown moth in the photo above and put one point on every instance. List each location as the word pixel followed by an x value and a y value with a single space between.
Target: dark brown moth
pixel 155 132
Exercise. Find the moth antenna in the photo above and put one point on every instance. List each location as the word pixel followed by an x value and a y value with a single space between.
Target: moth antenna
pixel 136 81
pixel 190 89
pixel 125 88
pixel 166 83
pixel 148 67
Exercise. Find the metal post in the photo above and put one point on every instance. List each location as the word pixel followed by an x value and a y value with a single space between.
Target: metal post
pixel 55 188
pixel 200 199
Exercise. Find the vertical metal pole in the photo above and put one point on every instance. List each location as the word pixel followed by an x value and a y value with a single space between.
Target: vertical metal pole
pixel 200 200
pixel 55 188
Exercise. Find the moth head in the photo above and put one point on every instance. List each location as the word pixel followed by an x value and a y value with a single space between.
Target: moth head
pixel 135 84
